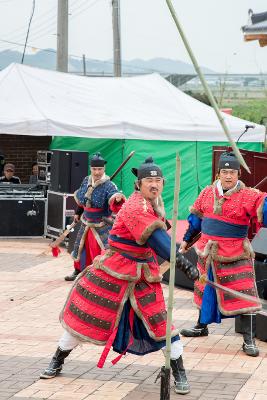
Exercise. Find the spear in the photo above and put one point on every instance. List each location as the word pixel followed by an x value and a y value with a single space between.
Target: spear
pixel 206 87
pixel 166 370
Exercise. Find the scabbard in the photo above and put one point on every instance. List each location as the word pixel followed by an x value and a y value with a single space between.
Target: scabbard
pixel 234 293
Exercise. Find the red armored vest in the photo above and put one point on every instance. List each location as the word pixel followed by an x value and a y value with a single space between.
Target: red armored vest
pixel 224 244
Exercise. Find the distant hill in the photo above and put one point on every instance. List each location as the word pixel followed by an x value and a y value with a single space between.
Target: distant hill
pixel 47 59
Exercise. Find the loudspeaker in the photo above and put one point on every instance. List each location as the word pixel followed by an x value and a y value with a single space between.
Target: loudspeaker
pixel 259 243
pixel 261 320
pixel 72 237
pixel 68 168
pixel 22 217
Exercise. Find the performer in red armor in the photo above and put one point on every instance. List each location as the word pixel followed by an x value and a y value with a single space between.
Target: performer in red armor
pixel 96 198
pixel 118 301
pixel 222 213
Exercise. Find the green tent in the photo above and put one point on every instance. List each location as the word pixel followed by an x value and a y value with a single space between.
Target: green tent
pixel 196 160
pixel 117 115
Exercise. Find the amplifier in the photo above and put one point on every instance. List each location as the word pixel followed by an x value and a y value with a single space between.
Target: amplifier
pixel 21 190
pixel 44 173
pixel 60 211
pixel 22 217
pixel 72 237
pixel 44 157
pixel 259 243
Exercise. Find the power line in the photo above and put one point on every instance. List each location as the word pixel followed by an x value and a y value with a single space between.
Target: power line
pixel 28 31
pixel 76 11
pixel 48 23
pixel 16 34
pixel 89 59
pixel 44 30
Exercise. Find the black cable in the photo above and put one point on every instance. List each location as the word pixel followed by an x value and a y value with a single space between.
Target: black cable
pixel 247 127
pixel 35 207
pixel 28 31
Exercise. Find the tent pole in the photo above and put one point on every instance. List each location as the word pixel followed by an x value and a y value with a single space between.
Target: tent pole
pixel 165 371
pixel 206 87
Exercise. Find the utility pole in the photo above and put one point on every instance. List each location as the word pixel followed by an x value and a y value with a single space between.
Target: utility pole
pixel 116 37
pixel 62 35
pixel 84 65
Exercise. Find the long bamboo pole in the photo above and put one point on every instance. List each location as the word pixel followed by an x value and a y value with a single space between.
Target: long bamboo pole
pixel 165 371
pixel 206 87
pixel 172 259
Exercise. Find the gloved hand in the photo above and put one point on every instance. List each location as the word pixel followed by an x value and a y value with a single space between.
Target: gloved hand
pixel 187 267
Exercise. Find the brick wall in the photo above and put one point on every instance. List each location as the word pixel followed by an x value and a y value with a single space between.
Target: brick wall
pixel 22 151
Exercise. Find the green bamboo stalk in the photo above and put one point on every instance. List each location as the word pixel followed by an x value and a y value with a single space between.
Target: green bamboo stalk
pixel 206 87
pixel 172 260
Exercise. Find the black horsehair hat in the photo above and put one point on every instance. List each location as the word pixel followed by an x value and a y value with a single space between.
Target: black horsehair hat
pixel 97 160
pixel 147 169
pixel 228 161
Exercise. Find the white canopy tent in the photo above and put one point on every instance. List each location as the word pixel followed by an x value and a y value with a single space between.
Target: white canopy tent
pixel 40 102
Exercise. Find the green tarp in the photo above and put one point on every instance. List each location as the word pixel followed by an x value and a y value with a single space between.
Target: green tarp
pixel 196 160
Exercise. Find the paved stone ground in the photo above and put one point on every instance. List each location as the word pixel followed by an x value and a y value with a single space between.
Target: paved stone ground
pixel 32 292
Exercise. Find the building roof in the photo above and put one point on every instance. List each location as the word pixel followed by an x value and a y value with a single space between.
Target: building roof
pixel 256 29
pixel 179 79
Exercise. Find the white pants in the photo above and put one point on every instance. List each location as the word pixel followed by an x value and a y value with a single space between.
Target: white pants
pixel 69 342
pixel 176 349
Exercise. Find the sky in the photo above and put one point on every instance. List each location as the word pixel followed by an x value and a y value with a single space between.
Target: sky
pixel 212 27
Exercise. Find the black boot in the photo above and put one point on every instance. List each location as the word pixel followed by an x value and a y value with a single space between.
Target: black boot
pixel 248 328
pixel 181 384
pixel 73 276
pixel 55 365
pixel 198 330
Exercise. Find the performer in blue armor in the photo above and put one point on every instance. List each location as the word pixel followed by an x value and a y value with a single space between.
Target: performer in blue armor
pixel 97 197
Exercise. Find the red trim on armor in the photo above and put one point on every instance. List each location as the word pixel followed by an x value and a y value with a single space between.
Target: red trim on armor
pixel 90 209
pixel 129 248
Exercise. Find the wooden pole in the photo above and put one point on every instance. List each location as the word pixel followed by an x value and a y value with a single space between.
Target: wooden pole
pixel 165 371
pixel 62 35
pixel 172 259
pixel 116 37
pixel 206 87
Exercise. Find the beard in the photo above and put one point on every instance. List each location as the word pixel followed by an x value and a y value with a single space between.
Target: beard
pixel 158 206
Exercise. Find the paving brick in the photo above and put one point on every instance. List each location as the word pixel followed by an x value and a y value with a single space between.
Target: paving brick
pixel 29 331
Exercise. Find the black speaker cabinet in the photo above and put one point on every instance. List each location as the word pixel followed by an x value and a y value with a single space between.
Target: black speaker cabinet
pixel 259 244
pixel 72 237
pixel 261 317
pixel 68 168
pixel 22 217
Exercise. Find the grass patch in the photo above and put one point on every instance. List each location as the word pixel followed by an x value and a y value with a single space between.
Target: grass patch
pixel 252 110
